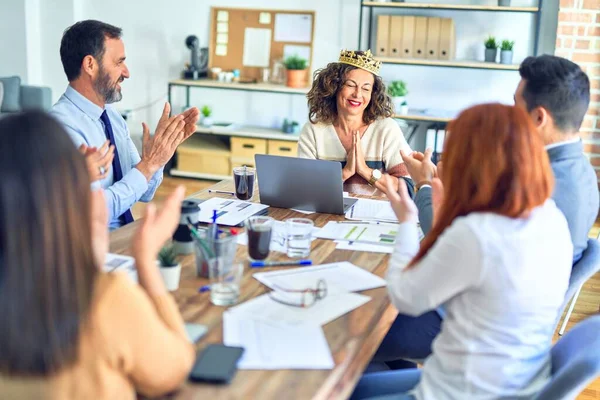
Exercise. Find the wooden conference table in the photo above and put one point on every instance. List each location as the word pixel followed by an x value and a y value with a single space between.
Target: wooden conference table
pixel 353 338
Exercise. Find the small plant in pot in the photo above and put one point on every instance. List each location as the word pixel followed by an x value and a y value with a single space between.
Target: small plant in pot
pixel 491 49
pixel 169 268
pixel 397 91
pixel 296 71
pixel 206 119
pixel 506 51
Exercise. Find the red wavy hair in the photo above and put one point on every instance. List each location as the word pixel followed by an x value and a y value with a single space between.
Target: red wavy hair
pixel 494 161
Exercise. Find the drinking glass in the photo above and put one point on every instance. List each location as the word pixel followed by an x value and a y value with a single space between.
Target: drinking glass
pixel 243 178
pixel 298 235
pixel 259 230
pixel 225 278
pixel 207 248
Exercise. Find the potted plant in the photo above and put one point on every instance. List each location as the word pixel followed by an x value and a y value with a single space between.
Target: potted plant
pixel 397 91
pixel 506 51
pixel 206 119
pixel 504 3
pixel 491 49
pixel 296 71
pixel 169 268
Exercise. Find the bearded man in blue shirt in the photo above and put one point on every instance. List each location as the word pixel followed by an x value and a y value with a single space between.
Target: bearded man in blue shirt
pixel 93 58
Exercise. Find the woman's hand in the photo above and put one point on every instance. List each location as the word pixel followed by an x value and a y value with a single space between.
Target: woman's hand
pixel 403 206
pixel 437 197
pixel 350 168
pixel 99 227
pixel 155 229
pixel 98 161
pixel 361 165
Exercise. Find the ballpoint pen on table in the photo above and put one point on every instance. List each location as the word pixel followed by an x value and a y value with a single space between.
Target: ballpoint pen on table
pixel 260 264
pixel 220 192
pixel 214 230
pixel 205 288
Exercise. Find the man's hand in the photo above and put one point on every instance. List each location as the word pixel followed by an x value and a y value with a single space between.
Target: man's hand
pixel 98 161
pixel 419 166
pixel 158 149
pixel 190 117
pixel 403 206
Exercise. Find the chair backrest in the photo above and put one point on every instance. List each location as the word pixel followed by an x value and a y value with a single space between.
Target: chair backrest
pixel 575 361
pixel 583 270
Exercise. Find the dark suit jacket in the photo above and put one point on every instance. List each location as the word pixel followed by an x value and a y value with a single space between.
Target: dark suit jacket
pixel 575 194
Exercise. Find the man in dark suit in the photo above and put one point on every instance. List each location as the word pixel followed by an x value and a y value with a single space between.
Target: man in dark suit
pixel 556 94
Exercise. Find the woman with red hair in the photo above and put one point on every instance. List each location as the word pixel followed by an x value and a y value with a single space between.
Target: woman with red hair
pixel 495 234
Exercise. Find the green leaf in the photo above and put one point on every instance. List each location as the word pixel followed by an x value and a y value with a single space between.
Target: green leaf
pixel 167 257
pixel 295 62
pixel 397 89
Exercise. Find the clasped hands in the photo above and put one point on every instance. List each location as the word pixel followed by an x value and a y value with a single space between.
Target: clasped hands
pixel 355 160
pixel 170 132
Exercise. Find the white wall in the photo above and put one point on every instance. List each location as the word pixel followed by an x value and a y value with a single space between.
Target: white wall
pixel 155 31
pixel 13 49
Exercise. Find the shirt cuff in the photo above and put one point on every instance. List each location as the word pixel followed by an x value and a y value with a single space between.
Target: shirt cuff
pixel 137 181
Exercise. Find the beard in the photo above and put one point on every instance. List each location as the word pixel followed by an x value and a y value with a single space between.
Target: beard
pixel 105 88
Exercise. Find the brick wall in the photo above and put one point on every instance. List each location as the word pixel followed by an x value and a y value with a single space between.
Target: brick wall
pixel 578 39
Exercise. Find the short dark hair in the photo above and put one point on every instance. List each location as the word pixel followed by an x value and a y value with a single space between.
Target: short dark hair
pixel 47 265
pixel 82 39
pixel 558 85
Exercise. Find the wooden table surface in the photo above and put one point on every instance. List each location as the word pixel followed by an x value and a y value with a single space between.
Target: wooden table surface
pixel 353 338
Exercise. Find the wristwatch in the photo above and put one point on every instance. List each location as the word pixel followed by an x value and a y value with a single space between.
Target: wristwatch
pixel 375 176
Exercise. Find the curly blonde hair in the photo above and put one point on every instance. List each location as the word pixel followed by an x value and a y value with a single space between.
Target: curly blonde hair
pixel 327 82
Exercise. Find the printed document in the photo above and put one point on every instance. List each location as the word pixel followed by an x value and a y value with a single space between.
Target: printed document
pixel 230 212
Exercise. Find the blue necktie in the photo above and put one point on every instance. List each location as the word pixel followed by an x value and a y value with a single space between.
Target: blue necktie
pixel 126 217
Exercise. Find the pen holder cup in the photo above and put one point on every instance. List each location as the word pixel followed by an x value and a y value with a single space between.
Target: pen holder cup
pixel 207 248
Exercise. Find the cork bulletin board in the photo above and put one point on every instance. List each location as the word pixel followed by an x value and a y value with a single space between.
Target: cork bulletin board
pixel 251 39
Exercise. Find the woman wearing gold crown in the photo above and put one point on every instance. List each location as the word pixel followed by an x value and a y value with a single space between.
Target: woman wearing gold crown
pixel 350 121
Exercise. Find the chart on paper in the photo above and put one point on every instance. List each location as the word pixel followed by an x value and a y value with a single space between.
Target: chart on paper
pixel 375 233
pixel 229 212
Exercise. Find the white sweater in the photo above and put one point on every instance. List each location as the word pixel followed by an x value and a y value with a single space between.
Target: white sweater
pixel 502 282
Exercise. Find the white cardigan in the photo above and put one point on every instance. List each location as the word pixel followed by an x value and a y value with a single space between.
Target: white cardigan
pixel 502 282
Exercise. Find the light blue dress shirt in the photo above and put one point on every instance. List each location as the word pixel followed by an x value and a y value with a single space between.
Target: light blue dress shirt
pixel 81 118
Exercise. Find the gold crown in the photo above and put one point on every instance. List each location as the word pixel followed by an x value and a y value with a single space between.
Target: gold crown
pixel 360 59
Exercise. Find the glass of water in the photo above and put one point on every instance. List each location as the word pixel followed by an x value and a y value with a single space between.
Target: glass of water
pixel 299 236
pixel 225 278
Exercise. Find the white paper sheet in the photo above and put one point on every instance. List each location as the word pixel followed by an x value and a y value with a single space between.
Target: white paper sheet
pixel 223 16
pixel 372 210
pixel 323 311
pixel 296 50
pixel 222 27
pixel 221 50
pixel 272 345
pixel 343 275
pixel 120 263
pixel 278 235
pixel 365 232
pixel 358 246
pixel 230 212
pixel 295 28
pixel 257 47
pixel 264 18
pixel 222 38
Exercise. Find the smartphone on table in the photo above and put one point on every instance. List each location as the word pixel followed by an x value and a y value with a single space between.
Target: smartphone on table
pixel 216 363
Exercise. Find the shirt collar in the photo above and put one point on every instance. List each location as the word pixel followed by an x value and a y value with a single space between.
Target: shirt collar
pixel 84 104
pixel 553 145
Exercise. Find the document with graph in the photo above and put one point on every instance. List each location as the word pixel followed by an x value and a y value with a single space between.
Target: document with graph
pixel 230 212
pixel 362 232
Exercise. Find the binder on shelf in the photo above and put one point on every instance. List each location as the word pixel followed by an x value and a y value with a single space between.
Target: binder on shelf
pixel 383 35
pixel 408 36
pixel 395 46
pixel 447 39
pixel 420 37
pixel 432 44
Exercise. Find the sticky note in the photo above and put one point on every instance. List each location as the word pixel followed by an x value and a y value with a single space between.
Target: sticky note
pixel 222 16
pixel 264 18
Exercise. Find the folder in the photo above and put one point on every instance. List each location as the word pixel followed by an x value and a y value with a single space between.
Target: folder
pixel 432 44
pixel 395 47
pixel 420 37
pixel 447 39
pixel 383 35
pixel 408 36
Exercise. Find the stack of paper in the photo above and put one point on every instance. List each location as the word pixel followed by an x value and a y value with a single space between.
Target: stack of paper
pixel 372 210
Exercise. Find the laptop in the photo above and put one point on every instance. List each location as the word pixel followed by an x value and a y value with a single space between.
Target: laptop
pixel 303 184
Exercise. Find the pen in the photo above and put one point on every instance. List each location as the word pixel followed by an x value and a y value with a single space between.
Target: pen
pixel 260 264
pixel 220 192
pixel 205 288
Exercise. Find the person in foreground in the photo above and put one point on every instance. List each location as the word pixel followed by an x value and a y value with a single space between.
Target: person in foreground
pixel 497 232
pixel 93 57
pixel 555 93
pixel 350 121
pixel 70 331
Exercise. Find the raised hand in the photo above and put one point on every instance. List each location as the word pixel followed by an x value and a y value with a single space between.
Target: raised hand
pixel 420 167
pixel 350 167
pixel 157 150
pixel 190 117
pixel 155 229
pixel 361 165
pixel 98 161
pixel 403 206
pixel 99 226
